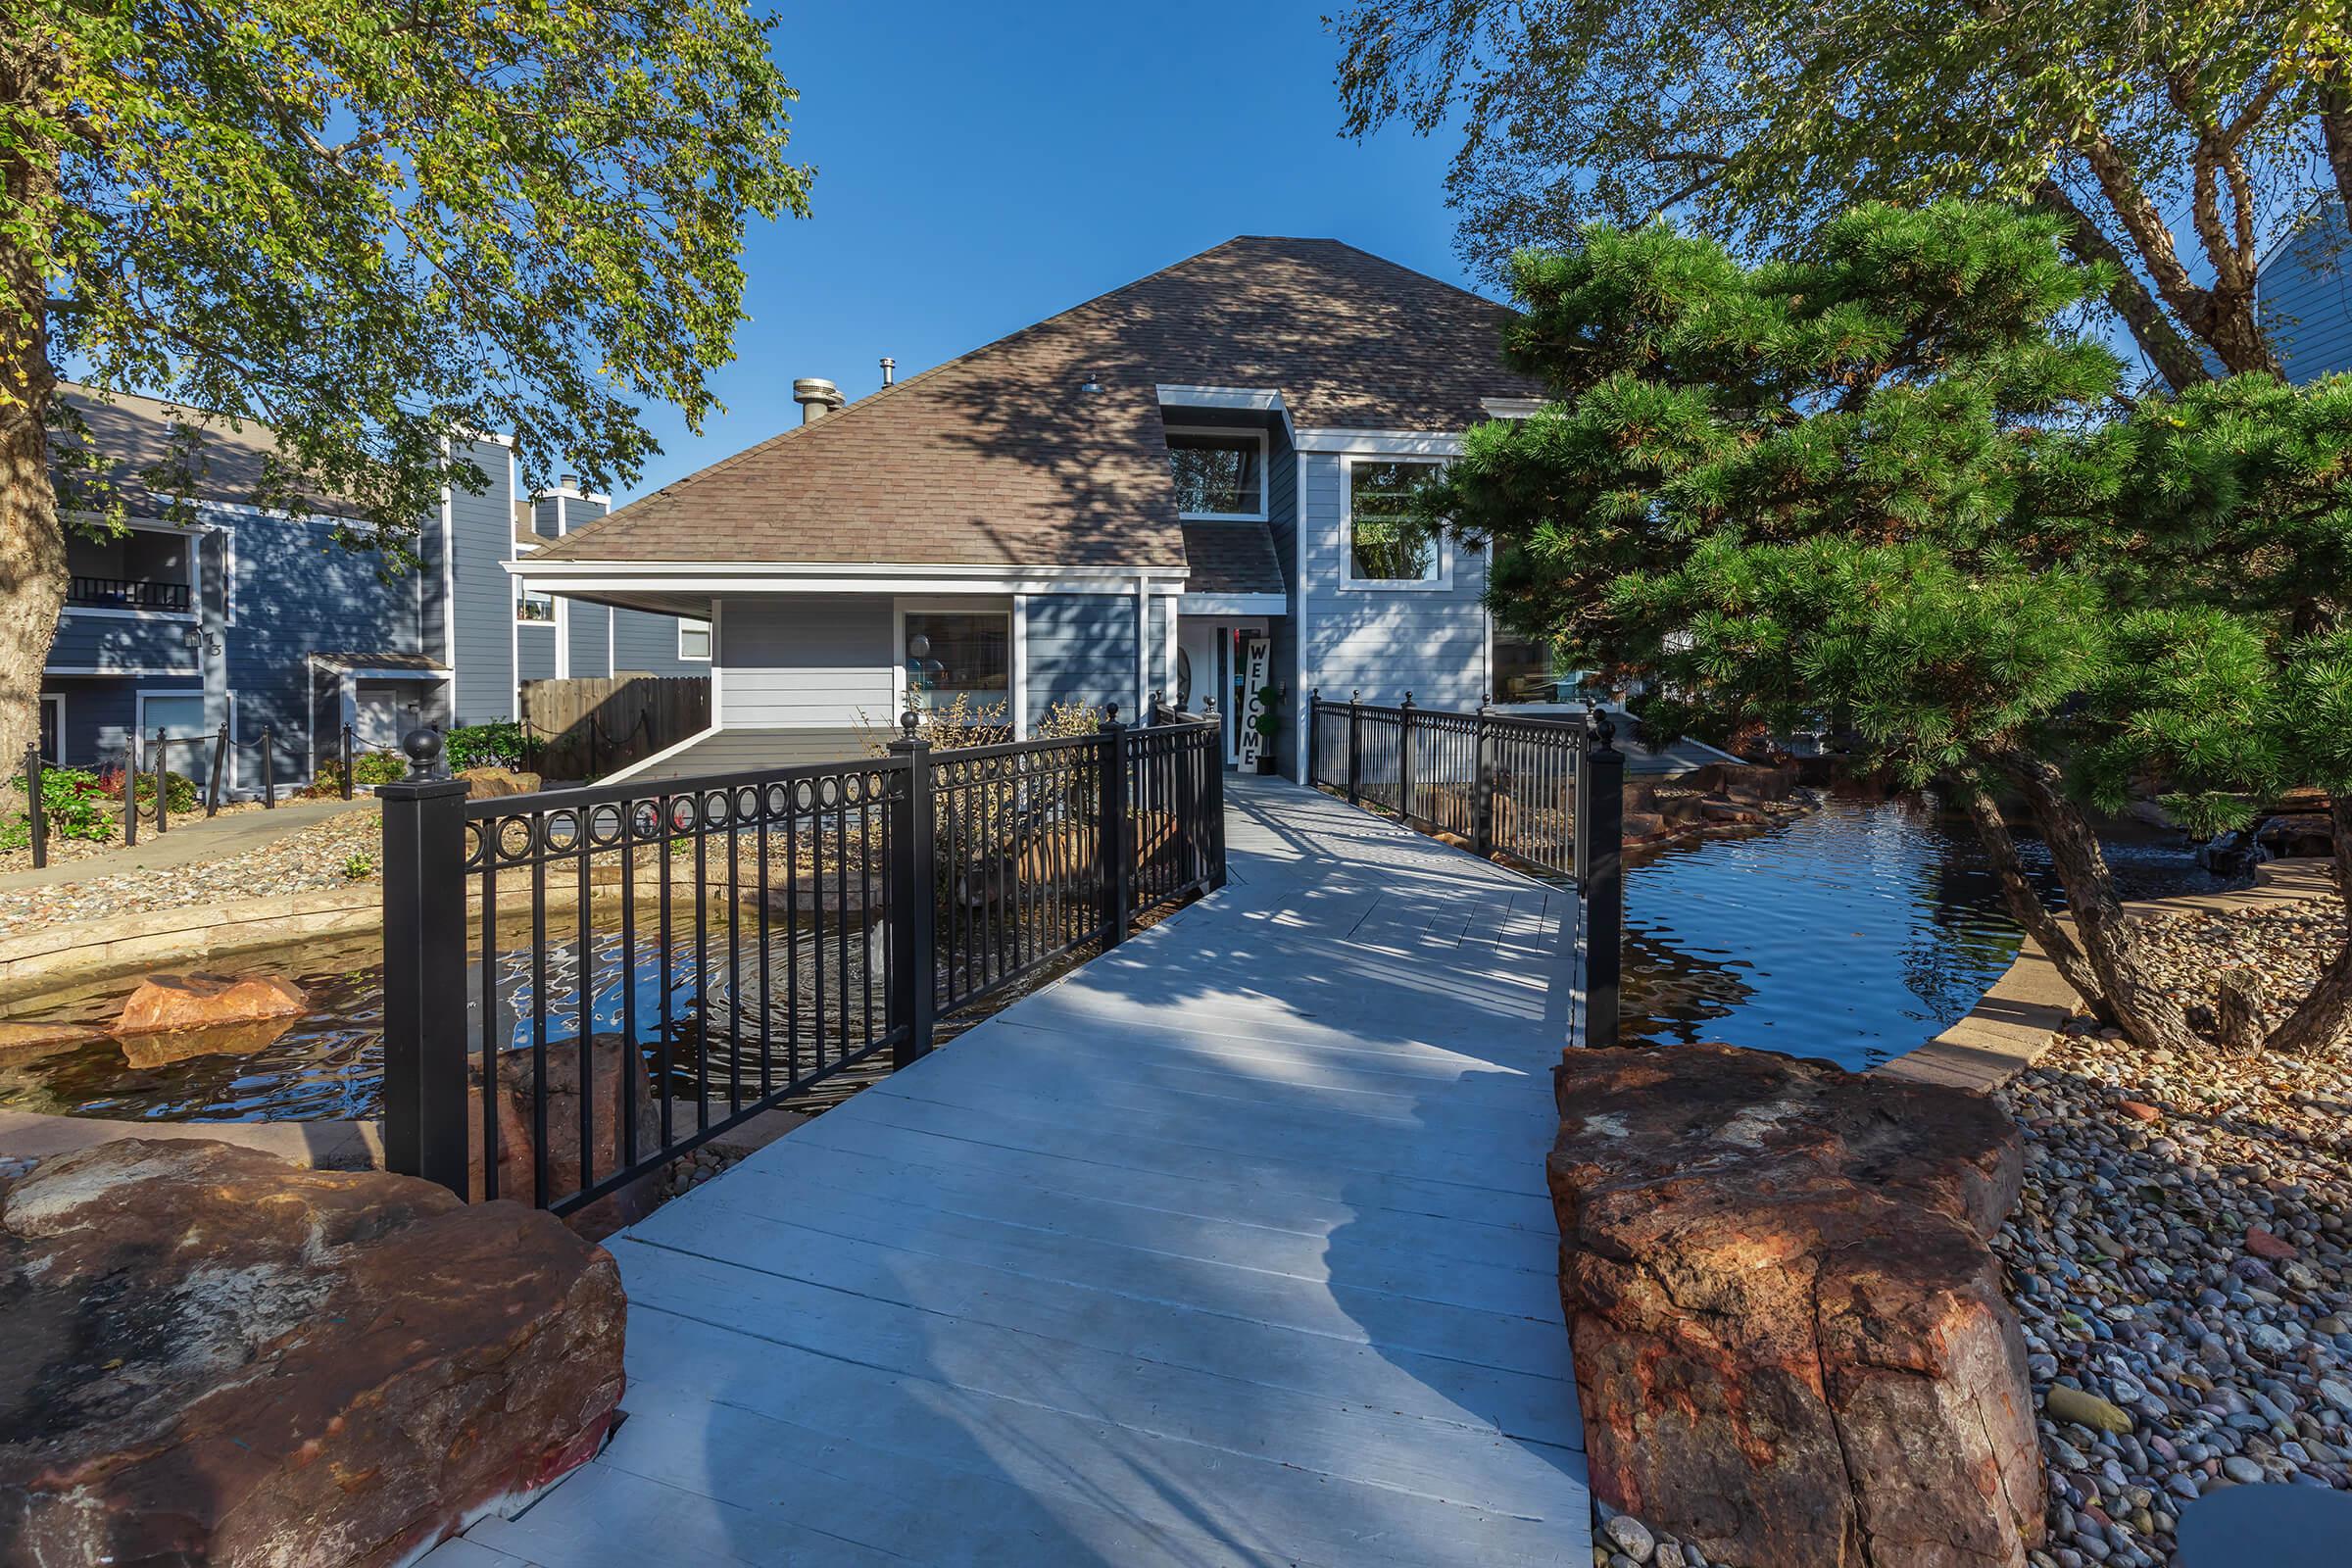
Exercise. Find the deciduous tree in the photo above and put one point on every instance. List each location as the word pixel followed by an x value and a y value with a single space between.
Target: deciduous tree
pixel 2172 139
pixel 365 225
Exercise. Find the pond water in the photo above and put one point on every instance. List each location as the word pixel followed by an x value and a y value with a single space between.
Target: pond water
pixel 1851 934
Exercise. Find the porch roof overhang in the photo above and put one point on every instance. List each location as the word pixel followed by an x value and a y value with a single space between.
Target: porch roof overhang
pixel 687 587
pixel 383 667
pixel 1233 605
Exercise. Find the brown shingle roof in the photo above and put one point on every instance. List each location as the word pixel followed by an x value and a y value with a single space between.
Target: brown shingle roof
pixel 997 458
pixel 131 436
pixel 1231 557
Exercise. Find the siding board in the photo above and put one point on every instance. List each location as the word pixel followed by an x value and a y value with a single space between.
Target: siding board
pixel 809 663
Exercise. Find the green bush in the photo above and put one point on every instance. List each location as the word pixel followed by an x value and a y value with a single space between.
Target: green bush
pixel 367 768
pixel 79 805
pixel 499 745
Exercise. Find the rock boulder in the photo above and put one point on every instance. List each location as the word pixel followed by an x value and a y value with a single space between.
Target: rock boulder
pixel 483 783
pixel 614 1071
pixel 167 1002
pixel 218 1358
pixel 1792 1345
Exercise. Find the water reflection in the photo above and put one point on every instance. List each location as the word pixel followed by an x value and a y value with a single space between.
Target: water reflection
pixel 1851 934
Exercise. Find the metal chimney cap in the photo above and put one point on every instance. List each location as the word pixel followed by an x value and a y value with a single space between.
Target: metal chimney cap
pixel 890 370
pixel 817 396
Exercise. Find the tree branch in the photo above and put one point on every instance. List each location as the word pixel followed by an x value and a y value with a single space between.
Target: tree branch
pixel 2176 359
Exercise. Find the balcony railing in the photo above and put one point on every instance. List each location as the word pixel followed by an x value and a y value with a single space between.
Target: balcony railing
pixel 123 593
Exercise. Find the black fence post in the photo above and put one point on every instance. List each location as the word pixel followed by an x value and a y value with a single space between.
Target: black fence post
pixel 1404 761
pixel 1481 788
pixel 1213 759
pixel 424 974
pixel 1601 876
pixel 1354 754
pixel 269 770
pixel 162 775
pixel 1314 738
pixel 343 741
pixel 212 784
pixel 914 893
pixel 39 823
pixel 1110 829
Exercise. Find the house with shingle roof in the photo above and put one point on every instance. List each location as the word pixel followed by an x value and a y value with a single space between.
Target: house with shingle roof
pixel 193 608
pixel 1193 484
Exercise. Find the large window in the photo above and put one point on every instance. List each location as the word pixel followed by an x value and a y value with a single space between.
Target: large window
pixel 1385 544
pixel 1218 474
pixel 959 654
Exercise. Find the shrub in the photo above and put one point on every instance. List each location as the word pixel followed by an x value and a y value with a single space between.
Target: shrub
pixel 369 768
pixel 82 805
pixel 499 745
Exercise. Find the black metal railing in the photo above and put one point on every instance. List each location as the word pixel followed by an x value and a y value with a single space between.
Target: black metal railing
pixel 1545 793
pixel 126 593
pixel 583 984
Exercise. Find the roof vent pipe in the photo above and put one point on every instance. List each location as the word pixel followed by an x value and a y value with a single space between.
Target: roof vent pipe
pixel 890 370
pixel 817 396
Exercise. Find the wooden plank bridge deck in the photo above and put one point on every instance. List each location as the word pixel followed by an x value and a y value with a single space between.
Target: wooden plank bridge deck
pixel 1231 1246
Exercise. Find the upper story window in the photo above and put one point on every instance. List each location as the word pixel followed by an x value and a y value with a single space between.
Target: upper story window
pixel 1219 474
pixel 1387 546
pixel 134 569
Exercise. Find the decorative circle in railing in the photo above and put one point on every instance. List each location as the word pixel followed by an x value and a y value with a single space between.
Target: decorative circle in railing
pixel 645 819
pixel 561 831
pixel 608 827
pixel 515 839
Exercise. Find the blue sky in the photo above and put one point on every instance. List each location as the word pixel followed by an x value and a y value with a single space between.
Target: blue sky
pixel 980 168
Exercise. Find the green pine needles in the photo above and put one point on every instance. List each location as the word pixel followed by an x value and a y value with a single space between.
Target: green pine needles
pixel 1889 489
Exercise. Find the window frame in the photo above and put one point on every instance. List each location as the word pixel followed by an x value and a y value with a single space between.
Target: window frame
pixel 1016 644
pixel 1440 578
pixel 684 624
pixel 1235 433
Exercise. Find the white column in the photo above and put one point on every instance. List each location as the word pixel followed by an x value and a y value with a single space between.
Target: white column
pixel 1143 649
pixel 1020 666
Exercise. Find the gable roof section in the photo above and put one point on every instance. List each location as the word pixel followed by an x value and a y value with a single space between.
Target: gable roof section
pixel 997 458
pixel 132 436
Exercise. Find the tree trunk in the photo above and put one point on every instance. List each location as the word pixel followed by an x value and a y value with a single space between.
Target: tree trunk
pixel 2167 347
pixel 2335 133
pixel 32 542
pixel 2147 1013
pixel 2322 1020
pixel 2027 907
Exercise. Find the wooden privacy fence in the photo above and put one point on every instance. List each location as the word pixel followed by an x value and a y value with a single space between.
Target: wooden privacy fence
pixel 588 727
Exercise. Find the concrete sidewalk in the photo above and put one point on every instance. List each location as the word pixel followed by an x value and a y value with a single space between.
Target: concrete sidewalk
pixel 189 840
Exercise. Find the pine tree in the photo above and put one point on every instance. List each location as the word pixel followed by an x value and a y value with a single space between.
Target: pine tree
pixel 1882 486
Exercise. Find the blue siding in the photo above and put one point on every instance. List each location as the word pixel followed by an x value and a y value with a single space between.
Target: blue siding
pixel 535 653
pixel 647 644
pixel 1384 642
pixel 1081 649
pixel 590 639
pixel 129 644
pixel 98 713
pixel 483 640
pixel 2306 299
pixel 296 592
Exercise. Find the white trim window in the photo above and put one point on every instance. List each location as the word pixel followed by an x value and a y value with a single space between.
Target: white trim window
pixel 694 641
pixel 1380 545
pixel 533 608
pixel 1218 472
pixel 967 654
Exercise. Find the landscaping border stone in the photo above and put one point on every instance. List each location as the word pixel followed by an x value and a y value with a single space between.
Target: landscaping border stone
pixel 2014 1023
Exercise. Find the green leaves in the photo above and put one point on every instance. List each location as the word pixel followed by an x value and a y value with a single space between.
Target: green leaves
pixel 369 226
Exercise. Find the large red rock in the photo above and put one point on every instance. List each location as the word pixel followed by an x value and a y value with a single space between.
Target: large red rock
pixel 614 1071
pixel 1792 1345
pixel 168 1002
pixel 218 1358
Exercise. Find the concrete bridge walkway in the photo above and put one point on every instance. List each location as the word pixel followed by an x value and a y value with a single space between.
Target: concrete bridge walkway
pixel 1231 1246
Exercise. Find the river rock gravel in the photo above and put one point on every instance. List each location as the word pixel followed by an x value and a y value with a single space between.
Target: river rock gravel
pixel 2178 1257
pixel 338 852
